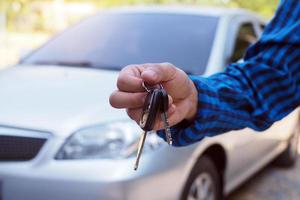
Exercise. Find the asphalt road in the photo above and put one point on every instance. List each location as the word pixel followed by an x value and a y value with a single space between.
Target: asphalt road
pixel 271 183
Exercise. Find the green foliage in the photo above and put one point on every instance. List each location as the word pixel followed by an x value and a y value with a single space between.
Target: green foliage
pixel 18 12
pixel 14 9
pixel 265 8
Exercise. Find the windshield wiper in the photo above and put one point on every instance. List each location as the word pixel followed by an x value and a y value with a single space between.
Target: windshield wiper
pixel 65 63
pixel 82 64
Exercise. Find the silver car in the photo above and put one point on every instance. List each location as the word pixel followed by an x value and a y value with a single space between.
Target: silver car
pixel 60 139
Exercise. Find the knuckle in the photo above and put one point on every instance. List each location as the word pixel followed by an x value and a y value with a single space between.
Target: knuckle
pixel 167 64
pixel 168 68
pixel 181 72
pixel 127 67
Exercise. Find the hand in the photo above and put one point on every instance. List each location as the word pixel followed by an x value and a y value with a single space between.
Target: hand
pixel 131 95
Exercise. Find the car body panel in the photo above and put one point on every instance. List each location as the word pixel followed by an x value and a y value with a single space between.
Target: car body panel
pixel 258 151
pixel 46 91
pixel 225 39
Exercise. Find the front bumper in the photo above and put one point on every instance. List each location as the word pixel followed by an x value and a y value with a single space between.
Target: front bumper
pixel 96 179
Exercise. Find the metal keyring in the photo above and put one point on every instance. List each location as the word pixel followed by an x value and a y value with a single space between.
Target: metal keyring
pixel 151 88
pixel 145 87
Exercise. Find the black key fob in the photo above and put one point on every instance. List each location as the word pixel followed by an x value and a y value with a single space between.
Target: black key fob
pixel 150 109
pixel 164 105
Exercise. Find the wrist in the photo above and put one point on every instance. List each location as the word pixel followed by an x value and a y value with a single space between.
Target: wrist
pixel 193 102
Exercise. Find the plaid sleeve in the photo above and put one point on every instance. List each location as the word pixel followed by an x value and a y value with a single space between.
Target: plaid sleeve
pixel 254 93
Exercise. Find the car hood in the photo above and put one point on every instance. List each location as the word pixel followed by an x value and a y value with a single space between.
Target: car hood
pixel 56 99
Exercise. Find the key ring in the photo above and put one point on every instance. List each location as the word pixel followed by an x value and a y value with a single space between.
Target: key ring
pixel 161 87
pixel 144 85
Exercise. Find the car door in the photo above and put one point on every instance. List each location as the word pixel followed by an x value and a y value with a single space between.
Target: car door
pixel 248 34
pixel 246 147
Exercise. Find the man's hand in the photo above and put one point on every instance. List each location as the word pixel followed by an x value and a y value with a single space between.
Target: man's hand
pixel 131 95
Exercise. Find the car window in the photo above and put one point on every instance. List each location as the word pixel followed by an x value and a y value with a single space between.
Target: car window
pixel 112 41
pixel 262 26
pixel 245 37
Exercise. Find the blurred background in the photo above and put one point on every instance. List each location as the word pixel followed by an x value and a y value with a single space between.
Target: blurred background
pixel 25 24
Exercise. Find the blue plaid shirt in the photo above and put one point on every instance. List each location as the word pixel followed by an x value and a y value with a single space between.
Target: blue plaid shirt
pixel 255 93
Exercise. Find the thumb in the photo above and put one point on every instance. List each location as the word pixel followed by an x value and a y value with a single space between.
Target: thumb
pixel 174 80
pixel 158 73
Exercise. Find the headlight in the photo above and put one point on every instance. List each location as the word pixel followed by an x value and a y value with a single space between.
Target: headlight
pixel 114 140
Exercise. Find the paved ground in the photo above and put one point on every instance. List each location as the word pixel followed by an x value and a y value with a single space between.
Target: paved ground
pixel 272 183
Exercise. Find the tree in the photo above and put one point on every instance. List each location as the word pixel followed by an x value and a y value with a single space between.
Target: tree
pixel 17 11
pixel 265 8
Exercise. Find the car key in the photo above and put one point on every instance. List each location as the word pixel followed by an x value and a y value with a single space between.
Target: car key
pixel 150 109
pixel 157 100
pixel 164 105
pixel 140 149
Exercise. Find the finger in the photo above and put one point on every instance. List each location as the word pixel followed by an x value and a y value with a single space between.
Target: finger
pixel 171 109
pixel 155 73
pixel 119 99
pixel 179 113
pixel 135 114
pixel 176 114
pixel 172 78
pixel 130 80
pixel 170 100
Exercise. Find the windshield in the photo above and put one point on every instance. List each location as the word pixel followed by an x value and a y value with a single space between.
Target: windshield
pixel 112 41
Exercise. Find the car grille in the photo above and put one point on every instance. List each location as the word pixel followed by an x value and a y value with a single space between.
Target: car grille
pixel 20 147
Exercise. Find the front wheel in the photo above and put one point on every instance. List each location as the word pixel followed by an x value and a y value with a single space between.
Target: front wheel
pixel 204 182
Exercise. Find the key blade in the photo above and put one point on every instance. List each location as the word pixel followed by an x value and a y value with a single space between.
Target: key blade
pixel 164 118
pixel 140 150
